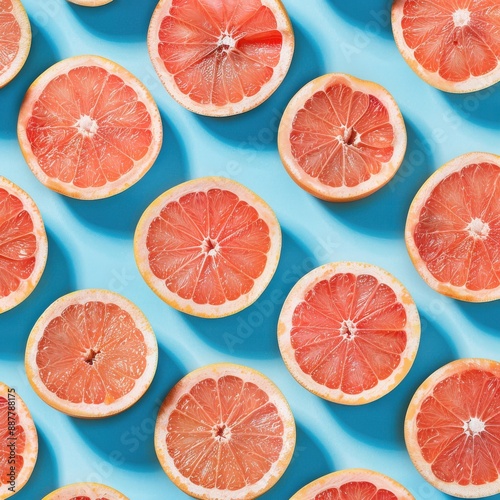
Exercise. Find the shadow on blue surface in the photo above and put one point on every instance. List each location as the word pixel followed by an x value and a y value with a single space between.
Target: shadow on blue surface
pixel 485 315
pixel 309 462
pixel 383 213
pixel 121 20
pixel 252 333
pixel 119 215
pixel 58 279
pixel 370 16
pixel 257 129
pixel 42 55
pixel 44 478
pixel 126 440
pixel 380 423
pixel 482 107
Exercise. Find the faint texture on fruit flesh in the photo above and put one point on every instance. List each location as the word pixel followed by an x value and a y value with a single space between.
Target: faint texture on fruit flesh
pixel 92 353
pixel 450 252
pixel 220 52
pixel 455 52
pixel 18 244
pixel 342 137
pixel 454 455
pixel 354 490
pixel 87 498
pixel 224 433
pixel 10 36
pixel 119 128
pixel 349 332
pixel 6 437
pixel 179 240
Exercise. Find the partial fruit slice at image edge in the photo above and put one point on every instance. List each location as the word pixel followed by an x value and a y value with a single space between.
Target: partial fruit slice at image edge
pixel 353 484
pixel 225 432
pixel 342 138
pixel 220 58
pixel 91 354
pixel 19 442
pixel 349 332
pixel 208 247
pixel 23 245
pixel 90 3
pixel 453 228
pixel 88 128
pixel 452 428
pixel 85 491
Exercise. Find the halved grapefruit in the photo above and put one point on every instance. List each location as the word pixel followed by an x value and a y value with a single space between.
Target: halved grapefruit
pixel 342 138
pixel 88 128
pixel 18 442
pixel 85 491
pixel 23 245
pixel 453 228
pixel 90 3
pixel 220 58
pixel 208 247
pixel 452 428
pixel 91 354
pixel 225 432
pixel 349 332
pixel 353 484
pixel 453 46
pixel 15 39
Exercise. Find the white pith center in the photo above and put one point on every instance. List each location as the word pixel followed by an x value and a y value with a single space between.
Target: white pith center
pixel 461 17
pixel 349 138
pixel 87 126
pixel 478 229
pixel 348 329
pixel 226 41
pixel 474 426
pixel 221 432
pixel 210 247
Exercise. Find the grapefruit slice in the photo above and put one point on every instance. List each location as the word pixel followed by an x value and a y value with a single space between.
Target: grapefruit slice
pixel 15 39
pixel 23 245
pixel 225 432
pixel 349 332
pixel 452 428
pixel 88 128
pixel 220 58
pixel 208 247
pixel 342 138
pixel 453 46
pixel 353 484
pixel 85 491
pixel 91 354
pixel 19 442
pixel 90 3
pixel 453 228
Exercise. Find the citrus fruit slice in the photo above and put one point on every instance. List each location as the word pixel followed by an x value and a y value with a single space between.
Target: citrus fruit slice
pixel 18 443
pixel 353 484
pixel 85 491
pixel 452 428
pixel 341 138
pixel 90 3
pixel 208 247
pixel 225 432
pixel 349 332
pixel 91 354
pixel 220 58
pixel 453 46
pixel 15 39
pixel 453 228
pixel 88 128
pixel 23 245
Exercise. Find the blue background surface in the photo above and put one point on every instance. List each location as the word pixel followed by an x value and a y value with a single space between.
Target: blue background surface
pixel 90 245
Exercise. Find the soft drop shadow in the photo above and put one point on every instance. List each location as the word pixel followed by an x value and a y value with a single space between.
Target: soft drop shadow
pixel 381 422
pixel 251 333
pixel 42 55
pixel 257 129
pixel 482 107
pixel 119 214
pixel 309 462
pixel 120 20
pixel 485 315
pixel 126 440
pixel 384 212
pixel 58 279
